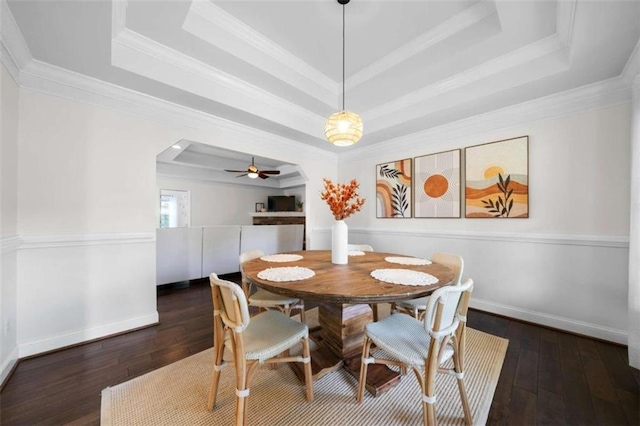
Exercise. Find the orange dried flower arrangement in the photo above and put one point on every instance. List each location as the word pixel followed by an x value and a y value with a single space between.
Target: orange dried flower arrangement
pixel 338 197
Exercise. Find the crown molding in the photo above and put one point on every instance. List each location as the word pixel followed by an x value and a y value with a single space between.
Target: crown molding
pixel 118 16
pixel 448 28
pixel 487 69
pixel 14 51
pixel 205 19
pixel 602 94
pixel 138 54
pixel 632 68
pixel 565 18
pixel 51 80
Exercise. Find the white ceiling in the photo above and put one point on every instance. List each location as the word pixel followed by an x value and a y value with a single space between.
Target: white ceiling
pixel 277 65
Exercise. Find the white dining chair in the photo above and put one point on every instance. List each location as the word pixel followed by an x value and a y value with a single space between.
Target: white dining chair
pixel 417 307
pixel 263 299
pixel 265 338
pixel 359 247
pixel 365 248
pixel 424 346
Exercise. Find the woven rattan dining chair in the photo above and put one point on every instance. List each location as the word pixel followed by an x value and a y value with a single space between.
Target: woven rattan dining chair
pixel 417 307
pixel 263 299
pixel 365 247
pixel 424 346
pixel 263 339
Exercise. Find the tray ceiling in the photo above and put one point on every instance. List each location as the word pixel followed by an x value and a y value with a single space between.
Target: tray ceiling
pixel 276 65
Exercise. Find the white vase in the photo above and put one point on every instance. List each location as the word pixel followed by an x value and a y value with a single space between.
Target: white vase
pixel 339 243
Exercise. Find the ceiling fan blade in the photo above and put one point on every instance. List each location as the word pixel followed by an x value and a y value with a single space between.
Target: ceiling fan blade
pixel 235 171
pixel 244 174
pixel 270 172
pixel 263 176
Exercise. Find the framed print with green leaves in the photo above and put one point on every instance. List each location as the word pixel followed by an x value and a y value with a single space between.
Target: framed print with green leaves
pixel 497 179
pixel 436 185
pixel 393 189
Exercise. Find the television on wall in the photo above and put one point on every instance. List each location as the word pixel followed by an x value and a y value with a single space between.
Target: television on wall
pixel 281 203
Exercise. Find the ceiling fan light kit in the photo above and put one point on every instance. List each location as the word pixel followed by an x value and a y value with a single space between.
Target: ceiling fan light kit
pixel 253 172
pixel 343 128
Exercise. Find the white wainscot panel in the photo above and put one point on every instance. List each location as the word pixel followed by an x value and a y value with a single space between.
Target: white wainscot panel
pixel 220 250
pixel 179 254
pixel 577 284
pixel 71 294
pixel 272 238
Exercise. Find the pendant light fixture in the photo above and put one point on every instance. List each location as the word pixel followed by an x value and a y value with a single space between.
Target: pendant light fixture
pixel 344 127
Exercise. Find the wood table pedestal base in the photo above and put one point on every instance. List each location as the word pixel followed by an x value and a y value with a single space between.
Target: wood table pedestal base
pixel 340 345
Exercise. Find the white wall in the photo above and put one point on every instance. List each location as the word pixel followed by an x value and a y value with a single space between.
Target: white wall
pixel 566 265
pixel 219 203
pixel 634 233
pixel 88 210
pixel 9 101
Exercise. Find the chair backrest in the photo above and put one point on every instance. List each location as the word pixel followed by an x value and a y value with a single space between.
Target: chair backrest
pixel 361 247
pixel 245 257
pixel 452 261
pixel 250 255
pixel 446 307
pixel 230 301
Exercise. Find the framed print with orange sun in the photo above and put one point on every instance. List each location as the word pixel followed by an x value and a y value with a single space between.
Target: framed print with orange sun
pixel 393 189
pixel 436 187
pixel 497 179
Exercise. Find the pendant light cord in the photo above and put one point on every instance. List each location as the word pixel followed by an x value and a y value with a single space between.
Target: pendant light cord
pixel 343 56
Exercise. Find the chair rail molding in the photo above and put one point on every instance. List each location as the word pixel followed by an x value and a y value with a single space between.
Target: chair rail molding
pixel 10 244
pixel 621 242
pixel 70 240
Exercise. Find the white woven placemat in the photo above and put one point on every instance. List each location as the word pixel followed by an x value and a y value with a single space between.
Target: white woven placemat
pixel 281 258
pixel 356 253
pixel 404 277
pixel 288 273
pixel 407 260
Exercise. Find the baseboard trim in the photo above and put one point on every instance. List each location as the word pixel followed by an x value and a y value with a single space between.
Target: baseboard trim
pixel 8 367
pixel 552 321
pixel 27 349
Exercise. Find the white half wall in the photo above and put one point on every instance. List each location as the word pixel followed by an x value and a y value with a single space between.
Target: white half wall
pixel 565 266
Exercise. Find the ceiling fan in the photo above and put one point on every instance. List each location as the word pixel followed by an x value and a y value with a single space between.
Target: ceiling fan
pixel 253 172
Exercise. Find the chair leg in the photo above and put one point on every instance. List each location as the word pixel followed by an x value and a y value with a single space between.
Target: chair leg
pixel 302 316
pixel 457 362
pixel 241 397
pixel 363 368
pixel 219 333
pixel 308 378
pixel 215 378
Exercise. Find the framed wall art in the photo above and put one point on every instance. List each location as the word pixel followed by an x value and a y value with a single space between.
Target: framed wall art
pixel 497 179
pixel 436 187
pixel 393 189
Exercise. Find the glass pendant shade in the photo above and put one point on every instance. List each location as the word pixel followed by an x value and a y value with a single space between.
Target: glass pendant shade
pixel 343 128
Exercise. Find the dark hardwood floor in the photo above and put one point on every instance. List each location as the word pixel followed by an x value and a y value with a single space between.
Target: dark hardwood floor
pixel 548 377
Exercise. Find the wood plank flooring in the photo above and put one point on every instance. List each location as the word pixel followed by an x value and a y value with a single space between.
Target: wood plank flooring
pixel 548 377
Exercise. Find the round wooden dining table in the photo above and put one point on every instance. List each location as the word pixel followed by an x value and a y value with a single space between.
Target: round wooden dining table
pixel 344 293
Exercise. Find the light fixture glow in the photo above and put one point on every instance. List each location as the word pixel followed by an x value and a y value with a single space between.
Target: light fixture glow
pixel 176 147
pixel 252 175
pixel 343 128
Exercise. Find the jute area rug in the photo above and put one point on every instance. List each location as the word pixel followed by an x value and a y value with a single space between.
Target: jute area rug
pixel 177 394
